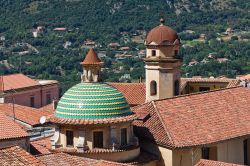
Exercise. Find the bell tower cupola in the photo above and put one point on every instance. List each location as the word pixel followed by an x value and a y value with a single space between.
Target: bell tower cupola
pixel 91 67
pixel 162 63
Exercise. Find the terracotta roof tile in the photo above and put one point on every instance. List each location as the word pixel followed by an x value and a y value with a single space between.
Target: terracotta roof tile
pixel 198 119
pixel 135 93
pixel 63 159
pixel 17 156
pixel 25 114
pixel 203 162
pixel 17 81
pixel 149 125
pixel 91 58
pixel 48 108
pixel 57 120
pixel 42 146
pixel 9 129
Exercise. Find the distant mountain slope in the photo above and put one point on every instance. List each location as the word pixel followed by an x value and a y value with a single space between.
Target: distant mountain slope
pixel 47 57
pixel 106 18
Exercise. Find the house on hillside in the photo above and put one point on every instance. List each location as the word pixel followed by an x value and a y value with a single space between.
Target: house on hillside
pixel 22 90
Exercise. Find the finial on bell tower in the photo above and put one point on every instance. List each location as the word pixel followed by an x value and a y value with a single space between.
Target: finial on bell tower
pixel 91 67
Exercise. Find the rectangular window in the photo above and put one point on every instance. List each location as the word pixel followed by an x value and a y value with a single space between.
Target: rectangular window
pixel 124 136
pixel 153 53
pixel 48 98
pixel 32 101
pixel 245 145
pixel 98 139
pixel 69 138
pixel 205 153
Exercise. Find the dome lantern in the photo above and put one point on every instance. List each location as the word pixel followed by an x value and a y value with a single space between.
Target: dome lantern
pixel 91 67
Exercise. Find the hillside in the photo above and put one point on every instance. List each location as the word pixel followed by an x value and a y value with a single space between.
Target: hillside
pixel 106 21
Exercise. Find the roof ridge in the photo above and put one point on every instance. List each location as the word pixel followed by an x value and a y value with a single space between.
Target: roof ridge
pixel 128 83
pixel 47 154
pixel 163 124
pixel 9 146
pixel 204 92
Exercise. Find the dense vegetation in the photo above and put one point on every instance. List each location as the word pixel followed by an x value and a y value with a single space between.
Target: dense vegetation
pixel 104 20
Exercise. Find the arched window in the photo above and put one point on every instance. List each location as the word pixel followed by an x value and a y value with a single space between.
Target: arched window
pixel 153 88
pixel 176 88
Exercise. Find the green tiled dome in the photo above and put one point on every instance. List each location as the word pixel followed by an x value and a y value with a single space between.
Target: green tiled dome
pixel 92 101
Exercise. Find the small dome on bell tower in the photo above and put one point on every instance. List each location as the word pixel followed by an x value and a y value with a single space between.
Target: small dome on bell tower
pixel 162 62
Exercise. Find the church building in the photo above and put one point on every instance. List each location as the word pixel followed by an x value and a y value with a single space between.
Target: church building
pixel 178 120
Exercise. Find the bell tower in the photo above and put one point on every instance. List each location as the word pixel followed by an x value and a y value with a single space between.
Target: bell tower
pixel 91 67
pixel 162 63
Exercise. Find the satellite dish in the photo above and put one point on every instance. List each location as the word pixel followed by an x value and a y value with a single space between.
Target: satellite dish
pixel 42 120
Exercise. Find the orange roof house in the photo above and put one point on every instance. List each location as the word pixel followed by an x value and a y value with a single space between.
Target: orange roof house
pixel 23 90
pixel 202 118
pixel 216 121
pixel 16 81
pixel 26 115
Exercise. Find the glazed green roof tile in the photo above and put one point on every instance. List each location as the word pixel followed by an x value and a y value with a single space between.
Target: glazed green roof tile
pixel 92 101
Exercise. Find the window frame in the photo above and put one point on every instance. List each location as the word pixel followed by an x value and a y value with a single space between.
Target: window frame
pixel 153 88
pixel 124 137
pixel 93 140
pixel 153 53
pixel 48 101
pixel 32 101
pixel 71 139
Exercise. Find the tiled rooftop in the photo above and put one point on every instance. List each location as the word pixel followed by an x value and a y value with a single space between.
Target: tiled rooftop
pixel 64 159
pixel 16 156
pixel 16 81
pixel 203 162
pixel 25 114
pixel 57 120
pixel 48 108
pixel 42 145
pixel 135 93
pixel 196 119
pixel 9 129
